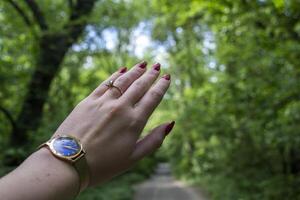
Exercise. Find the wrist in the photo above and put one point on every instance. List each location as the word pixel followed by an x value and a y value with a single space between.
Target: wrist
pixel 61 175
pixel 70 150
pixel 41 176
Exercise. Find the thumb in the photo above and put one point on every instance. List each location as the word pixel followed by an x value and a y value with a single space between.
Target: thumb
pixel 152 141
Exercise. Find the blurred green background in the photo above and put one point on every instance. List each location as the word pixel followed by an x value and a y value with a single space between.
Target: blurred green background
pixel 235 94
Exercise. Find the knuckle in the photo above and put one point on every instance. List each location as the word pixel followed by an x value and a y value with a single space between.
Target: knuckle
pixel 136 73
pixel 115 108
pixel 140 84
pixel 136 122
pixel 123 80
pixel 156 94
pixel 152 74
pixel 82 102
pixel 115 93
pixel 85 102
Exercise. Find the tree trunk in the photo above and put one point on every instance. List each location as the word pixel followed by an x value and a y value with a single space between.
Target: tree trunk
pixel 53 47
pixel 52 51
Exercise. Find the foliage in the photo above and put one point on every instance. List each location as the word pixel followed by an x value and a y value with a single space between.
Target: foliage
pixel 235 92
pixel 87 63
pixel 237 128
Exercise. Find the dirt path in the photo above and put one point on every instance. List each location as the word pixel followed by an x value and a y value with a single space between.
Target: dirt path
pixel 162 186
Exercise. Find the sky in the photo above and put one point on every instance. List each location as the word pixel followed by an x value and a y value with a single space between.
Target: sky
pixel 140 43
pixel 140 40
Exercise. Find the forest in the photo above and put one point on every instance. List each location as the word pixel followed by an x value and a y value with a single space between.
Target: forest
pixel 235 92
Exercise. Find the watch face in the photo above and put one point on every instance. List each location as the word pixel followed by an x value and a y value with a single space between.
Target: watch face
pixel 66 146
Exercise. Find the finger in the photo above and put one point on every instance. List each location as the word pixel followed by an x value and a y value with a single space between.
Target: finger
pixel 123 82
pixel 152 141
pixel 153 96
pixel 141 85
pixel 103 87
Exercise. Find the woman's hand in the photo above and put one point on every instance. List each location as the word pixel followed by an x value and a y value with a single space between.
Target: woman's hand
pixel 109 123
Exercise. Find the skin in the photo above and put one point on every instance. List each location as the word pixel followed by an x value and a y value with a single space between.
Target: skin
pixel 108 125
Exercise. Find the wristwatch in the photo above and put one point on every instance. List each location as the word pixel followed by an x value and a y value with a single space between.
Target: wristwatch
pixel 69 149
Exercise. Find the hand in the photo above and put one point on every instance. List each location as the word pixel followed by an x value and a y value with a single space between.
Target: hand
pixel 109 123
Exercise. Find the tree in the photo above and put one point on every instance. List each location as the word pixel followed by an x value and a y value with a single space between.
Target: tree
pixel 46 37
pixel 53 45
pixel 238 129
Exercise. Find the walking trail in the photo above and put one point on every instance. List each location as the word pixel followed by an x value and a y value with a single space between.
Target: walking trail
pixel 162 186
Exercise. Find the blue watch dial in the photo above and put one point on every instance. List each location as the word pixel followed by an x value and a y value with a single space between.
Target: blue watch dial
pixel 66 146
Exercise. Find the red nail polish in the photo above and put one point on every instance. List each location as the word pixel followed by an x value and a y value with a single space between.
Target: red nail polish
pixel 123 69
pixel 156 66
pixel 167 76
pixel 143 64
pixel 169 127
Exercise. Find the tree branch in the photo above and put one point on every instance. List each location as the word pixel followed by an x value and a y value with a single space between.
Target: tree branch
pixel 81 8
pixel 77 21
pixel 37 13
pixel 20 11
pixel 71 4
pixel 53 46
pixel 8 115
pixel 286 101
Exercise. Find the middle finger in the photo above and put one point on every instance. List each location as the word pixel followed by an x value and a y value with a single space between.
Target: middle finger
pixel 123 82
pixel 141 85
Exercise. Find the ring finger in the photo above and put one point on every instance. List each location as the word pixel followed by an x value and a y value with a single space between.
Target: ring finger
pixel 123 82
pixel 100 90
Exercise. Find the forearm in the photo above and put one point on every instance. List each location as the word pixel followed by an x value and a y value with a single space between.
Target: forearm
pixel 105 128
pixel 41 176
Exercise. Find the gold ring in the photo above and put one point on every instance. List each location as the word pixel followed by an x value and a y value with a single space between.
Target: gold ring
pixel 111 85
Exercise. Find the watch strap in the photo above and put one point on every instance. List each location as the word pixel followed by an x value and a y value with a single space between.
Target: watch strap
pixel 82 169
pixel 80 165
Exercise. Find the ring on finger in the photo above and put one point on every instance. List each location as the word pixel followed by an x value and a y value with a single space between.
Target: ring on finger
pixel 110 85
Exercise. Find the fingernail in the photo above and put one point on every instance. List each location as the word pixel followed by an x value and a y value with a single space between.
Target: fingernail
pixel 123 69
pixel 156 66
pixel 143 64
pixel 169 128
pixel 167 76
